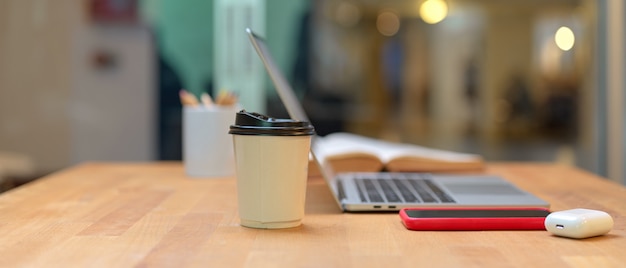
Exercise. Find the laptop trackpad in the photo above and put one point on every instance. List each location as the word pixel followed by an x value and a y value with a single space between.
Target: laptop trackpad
pixel 488 191
pixel 482 188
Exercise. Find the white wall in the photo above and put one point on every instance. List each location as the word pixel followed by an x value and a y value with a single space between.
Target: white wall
pixel 54 106
pixel 112 109
pixel 34 80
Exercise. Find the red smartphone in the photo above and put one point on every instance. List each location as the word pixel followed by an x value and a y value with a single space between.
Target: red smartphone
pixel 473 219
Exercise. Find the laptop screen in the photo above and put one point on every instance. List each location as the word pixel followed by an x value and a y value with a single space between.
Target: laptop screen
pixel 285 91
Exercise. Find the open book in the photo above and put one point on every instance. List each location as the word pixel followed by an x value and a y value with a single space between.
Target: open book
pixel 350 152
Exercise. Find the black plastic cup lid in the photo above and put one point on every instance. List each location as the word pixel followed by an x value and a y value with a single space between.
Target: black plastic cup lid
pixel 247 123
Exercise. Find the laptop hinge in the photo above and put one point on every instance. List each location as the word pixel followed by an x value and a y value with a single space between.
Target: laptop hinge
pixel 340 191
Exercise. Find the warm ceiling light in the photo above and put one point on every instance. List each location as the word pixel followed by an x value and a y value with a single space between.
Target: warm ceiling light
pixel 433 11
pixel 564 38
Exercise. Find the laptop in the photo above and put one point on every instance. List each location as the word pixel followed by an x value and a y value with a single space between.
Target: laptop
pixel 392 191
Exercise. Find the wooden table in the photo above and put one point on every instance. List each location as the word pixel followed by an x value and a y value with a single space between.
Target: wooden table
pixel 151 214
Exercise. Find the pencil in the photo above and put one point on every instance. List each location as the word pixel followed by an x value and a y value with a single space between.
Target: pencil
pixel 187 99
pixel 226 98
pixel 206 100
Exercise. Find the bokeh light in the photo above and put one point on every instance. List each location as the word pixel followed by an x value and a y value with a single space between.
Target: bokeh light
pixel 433 11
pixel 564 38
pixel 388 23
pixel 347 14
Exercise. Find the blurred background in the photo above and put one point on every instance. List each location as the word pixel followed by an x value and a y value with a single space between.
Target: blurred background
pixel 98 80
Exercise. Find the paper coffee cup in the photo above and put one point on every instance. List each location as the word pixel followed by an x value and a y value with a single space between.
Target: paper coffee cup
pixel 271 157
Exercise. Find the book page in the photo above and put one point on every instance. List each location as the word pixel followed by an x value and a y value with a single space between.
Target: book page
pixel 386 151
pixel 346 154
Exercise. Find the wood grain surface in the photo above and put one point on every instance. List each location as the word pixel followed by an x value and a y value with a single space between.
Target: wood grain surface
pixel 152 215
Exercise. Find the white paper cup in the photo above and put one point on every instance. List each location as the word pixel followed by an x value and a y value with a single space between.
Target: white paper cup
pixel 272 168
pixel 207 146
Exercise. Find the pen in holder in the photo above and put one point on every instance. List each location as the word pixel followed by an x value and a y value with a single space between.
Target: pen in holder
pixel 207 146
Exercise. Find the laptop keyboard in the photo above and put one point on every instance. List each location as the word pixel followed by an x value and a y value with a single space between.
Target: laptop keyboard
pixel 400 188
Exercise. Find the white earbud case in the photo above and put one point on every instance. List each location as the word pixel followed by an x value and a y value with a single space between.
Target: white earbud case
pixel 579 223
